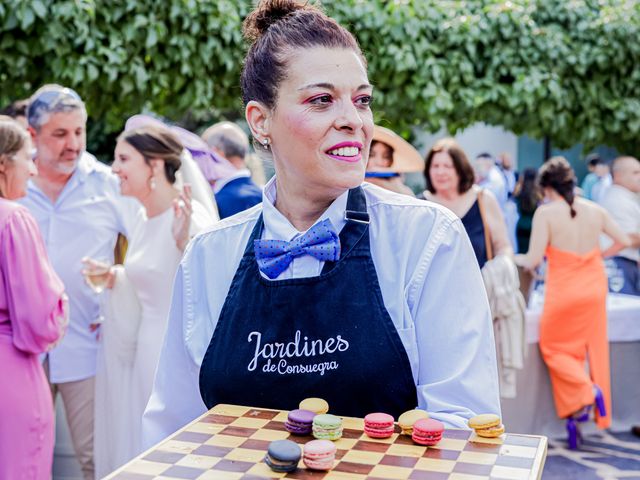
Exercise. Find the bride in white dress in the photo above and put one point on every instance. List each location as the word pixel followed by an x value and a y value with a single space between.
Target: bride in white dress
pixel 148 161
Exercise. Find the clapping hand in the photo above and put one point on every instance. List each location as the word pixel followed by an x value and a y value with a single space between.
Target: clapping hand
pixel 182 217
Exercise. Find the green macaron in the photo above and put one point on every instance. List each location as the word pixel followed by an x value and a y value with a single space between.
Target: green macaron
pixel 327 427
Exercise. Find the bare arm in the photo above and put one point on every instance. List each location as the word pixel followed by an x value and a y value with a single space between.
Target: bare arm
pixel 612 229
pixel 497 225
pixel 540 238
pixel 635 239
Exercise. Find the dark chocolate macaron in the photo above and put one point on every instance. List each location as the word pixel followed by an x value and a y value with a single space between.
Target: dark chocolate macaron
pixel 299 422
pixel 283 456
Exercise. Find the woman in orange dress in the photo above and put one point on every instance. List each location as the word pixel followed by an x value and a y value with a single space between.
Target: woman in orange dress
pixel 573 327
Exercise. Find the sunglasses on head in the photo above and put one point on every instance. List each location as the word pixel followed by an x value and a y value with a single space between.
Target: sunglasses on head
pixel 50 98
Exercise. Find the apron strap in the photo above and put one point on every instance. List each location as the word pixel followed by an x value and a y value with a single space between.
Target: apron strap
pixel 256 234
pixel 356 228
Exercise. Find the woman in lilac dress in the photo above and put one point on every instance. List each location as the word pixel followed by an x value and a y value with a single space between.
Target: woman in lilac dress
pixel 32 319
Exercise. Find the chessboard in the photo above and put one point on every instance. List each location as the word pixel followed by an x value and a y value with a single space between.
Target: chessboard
pixel 230 442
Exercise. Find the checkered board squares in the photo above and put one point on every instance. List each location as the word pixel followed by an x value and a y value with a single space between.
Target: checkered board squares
pixel 230 442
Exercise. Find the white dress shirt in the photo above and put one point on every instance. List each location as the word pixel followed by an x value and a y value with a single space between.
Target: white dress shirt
pixel 430 282
pixel 240 173
pixel 84 221
pixel 624 207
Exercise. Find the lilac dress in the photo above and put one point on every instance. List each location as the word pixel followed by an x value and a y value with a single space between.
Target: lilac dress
pixel 31 321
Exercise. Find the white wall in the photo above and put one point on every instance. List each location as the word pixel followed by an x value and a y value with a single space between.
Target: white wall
pixel 476 139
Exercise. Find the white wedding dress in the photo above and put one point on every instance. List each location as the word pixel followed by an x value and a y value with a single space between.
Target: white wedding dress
pixel 136 313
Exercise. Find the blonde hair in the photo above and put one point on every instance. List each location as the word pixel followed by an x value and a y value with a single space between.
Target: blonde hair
pixel 12 139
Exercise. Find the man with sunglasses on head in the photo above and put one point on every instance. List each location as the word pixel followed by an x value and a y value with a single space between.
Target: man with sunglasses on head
pixel 77 204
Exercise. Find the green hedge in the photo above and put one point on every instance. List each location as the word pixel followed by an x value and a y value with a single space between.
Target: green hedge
pixel 567 69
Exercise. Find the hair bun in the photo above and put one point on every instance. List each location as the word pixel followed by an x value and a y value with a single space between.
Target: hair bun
pixel 266 14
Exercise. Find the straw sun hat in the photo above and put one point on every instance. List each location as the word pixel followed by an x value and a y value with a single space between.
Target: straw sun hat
pixel 405 157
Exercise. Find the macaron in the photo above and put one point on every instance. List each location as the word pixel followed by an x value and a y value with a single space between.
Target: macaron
pixel 407 419
pixel 378 425
pixel 299 422
pixel 491 432
pixel 283 456
pixel 317 405
pixel 487 425
pixel 319 454
pixel 427 431
pixel 327 427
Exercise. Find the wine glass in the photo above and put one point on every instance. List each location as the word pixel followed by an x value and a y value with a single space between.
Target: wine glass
pixel 96 273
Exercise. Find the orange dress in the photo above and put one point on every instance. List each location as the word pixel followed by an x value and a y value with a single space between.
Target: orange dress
pixel 573 328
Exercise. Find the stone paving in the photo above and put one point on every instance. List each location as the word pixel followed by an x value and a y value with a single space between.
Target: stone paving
pixel 603 455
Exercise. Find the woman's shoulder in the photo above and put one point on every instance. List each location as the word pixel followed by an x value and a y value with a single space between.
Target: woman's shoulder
pixel 404 223
pixel 487 195
pixel 589 207
pixel 232 228
pixel 10 210
pixel 586 203
pixel 399 205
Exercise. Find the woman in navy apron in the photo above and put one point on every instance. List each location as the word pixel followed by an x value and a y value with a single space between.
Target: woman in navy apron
pixel 331 287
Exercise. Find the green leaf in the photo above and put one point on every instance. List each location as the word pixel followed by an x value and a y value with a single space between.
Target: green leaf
pixel 28 17
pixel 152 38
pixel 39 9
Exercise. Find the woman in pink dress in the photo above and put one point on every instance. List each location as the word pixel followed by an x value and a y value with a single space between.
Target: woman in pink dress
pixel 32 319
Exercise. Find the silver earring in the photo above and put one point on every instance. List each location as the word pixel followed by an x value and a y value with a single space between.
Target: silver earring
pixel 152 183
pixel 265 143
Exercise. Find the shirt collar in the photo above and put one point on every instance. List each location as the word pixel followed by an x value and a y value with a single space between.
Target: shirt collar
pixel 279 228
pixel 86 165
pixel 220 184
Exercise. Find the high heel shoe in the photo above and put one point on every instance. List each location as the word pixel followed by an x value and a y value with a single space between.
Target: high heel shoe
pixel 599 401
pixel 583 414
pixel 572 431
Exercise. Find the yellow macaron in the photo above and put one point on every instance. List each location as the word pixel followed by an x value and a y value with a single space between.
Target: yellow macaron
pixel 407 419
pixel 485 420
pixel 491 432
pixel 487 425
pixel 317 405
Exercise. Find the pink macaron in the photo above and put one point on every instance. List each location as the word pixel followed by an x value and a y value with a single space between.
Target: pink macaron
pixel 319 454
pixel 427 431
pixel 378 425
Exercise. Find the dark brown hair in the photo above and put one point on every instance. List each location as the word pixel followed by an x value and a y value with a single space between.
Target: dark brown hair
pixel 556 173
pixel 16 109
pixel 156 143
pixel 274 29
pixel 460 163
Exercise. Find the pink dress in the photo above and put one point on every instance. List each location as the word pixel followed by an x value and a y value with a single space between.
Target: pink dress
pixel 31 321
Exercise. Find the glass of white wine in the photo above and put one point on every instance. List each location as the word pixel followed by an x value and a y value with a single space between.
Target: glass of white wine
pixel 96 273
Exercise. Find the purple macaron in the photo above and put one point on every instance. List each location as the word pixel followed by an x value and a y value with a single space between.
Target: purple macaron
pixel 299 422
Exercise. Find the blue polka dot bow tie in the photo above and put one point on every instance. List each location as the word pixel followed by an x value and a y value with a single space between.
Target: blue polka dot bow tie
pixel 320 241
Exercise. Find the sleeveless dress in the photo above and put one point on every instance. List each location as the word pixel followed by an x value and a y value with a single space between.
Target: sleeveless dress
pixel 573 329
pixel 31 321
pixel 472 221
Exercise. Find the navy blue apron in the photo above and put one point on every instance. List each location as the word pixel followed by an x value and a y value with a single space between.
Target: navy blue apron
pixel 330 336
